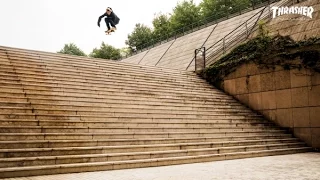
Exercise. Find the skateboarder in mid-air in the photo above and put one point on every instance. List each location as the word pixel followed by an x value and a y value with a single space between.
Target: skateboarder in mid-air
pixel 111 19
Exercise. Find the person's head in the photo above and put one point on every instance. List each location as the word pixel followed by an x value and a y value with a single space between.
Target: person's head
pixel 109 10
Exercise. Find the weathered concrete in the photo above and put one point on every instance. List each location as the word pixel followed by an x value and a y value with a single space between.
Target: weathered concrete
pixel 286 167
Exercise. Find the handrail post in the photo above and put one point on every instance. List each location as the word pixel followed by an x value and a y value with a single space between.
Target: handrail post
pixel 247 32
pixel 204 57
pixel 200 65
pixel 269 9
pixel 223 45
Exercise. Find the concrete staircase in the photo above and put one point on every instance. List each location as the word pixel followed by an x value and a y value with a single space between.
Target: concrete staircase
pixel 62 114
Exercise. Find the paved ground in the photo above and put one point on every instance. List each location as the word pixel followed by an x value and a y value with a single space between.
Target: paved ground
pixel 297 166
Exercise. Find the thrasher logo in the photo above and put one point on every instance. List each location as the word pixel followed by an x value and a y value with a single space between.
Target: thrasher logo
pixel 303 10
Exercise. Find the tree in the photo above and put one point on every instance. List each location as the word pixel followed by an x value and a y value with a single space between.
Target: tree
pixel 140 38
pixel 106 52
pixel 256 2
pixel 161 27
pixel 72 49
pixel 215 9
pixel 185 15
pixel 125 51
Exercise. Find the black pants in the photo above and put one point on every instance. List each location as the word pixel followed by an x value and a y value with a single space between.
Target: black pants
pixel 109 21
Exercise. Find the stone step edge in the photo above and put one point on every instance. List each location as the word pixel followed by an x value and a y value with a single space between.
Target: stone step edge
pixel 94 61
pixel 121 123
pixel 159 120
pixel 153 139
pixel 141 98
pixel 18 76
pixel 123 115
pixel 126 110
pixel 86 167
pixel 134 153
pixel 102 84
pixel 138 133
pixel 57 61
pixel 220 144
pixel 116 90
pixel 127 93
pixel 131 128
pixel 27 73
pixel 163 106
pixel 90 73
pixel 28 101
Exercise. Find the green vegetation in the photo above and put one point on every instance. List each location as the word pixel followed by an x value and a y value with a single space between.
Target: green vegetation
pixel 141 35
pixel 71 49
pixel 106 52
pixel 267 52
pixel 185 16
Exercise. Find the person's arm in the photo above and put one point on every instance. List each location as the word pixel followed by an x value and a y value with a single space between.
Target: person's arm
pixel 100 18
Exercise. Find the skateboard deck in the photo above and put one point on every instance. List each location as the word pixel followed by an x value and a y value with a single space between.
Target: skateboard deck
pixel 109 32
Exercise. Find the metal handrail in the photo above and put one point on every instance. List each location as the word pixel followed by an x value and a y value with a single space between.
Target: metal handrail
pixel 211 51
pixel 223 39
pixel 227 43
pixel 195 26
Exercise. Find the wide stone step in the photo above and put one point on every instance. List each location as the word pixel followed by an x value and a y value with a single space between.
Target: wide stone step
pixel 4 90
pixel 125 129
pixel 116 102
pixel 87 72
pixel 99 81
pixel 102 116
pixel 15 83
pixel 136 115
pixel 72 99
pixel 13 110
pixel 42 57
pixel 87 136
pixel 26 61
pixel 38 152
pixel 86 110
pixel 76 93
pixel 147 117
pixel 24 116
pixel 115 154
pixel 134 122
pixel 135 111
pixel 103 83
pixel 27 144
pixel 105 89
pixel 14 103
pixel 140 123
pixel 110 91
pixel 60 99
pixel 113 165
pixel 8 71
pixel 25 73
pixel 30 59
pixel 39 56
pixel 137 106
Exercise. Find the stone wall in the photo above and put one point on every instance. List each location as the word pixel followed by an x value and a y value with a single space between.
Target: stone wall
pixel 291 98
pixel 296 26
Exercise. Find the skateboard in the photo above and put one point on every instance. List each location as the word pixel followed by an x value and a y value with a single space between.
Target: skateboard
pixel 110 31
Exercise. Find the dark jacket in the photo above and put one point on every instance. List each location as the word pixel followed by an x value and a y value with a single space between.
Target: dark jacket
pixel 112 16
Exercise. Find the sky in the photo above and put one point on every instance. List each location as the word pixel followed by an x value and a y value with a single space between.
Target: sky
pixel 47 25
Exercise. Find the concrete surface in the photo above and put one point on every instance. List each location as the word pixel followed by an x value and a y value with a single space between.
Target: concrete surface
pixel 305 166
